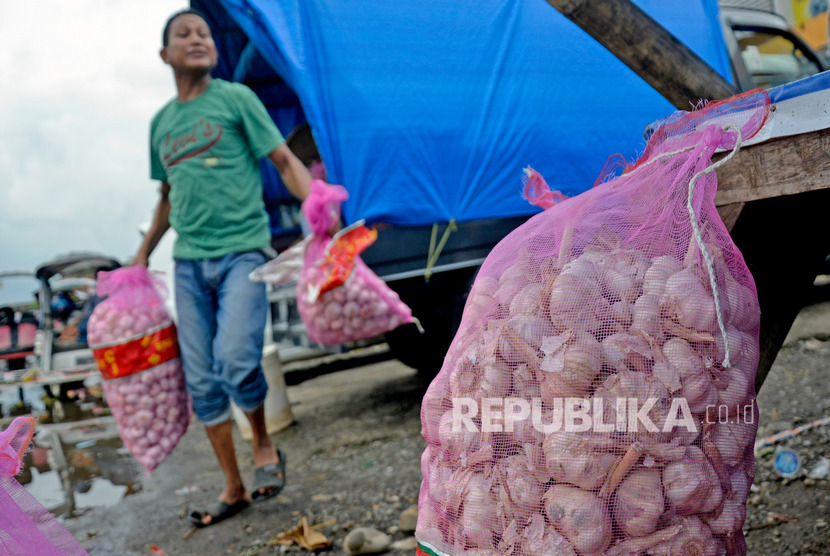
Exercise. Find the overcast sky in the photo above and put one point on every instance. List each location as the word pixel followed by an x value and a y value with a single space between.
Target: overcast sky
pixel 79 82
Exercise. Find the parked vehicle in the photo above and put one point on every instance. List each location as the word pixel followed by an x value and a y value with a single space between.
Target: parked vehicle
pixel 73 272
pixel 43 336
pixel 375 130
pixel 764 51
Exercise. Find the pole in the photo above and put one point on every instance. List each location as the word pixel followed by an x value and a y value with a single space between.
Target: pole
pixel 648 49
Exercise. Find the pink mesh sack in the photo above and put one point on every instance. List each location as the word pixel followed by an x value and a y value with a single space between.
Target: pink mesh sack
pixel 599 397
pixel 26 527
pixel 134 342
pixel 339 298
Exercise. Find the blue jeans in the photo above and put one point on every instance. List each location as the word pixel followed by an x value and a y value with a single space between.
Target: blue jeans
pixel 221 330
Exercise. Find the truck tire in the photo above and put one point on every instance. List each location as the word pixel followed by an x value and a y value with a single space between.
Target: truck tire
pixel 439 305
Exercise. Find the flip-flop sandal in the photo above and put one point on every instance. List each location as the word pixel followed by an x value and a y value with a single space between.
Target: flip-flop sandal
pixel 270 477
pixel 218 511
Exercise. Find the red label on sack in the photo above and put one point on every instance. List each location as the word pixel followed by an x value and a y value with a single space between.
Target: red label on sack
pixel 137 355
pixel 341 254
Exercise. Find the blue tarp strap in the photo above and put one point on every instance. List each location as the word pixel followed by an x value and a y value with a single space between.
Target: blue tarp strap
pixel 435 251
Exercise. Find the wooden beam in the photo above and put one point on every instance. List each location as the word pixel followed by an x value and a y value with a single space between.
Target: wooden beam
pixel 730 214
pixel 646 47
pixel 782 166
pixel 773 199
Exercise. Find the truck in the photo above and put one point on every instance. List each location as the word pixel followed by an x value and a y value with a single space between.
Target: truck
pixel 428 114
pixel 764 49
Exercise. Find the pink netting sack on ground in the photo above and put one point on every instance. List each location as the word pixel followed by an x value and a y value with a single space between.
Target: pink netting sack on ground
pixel 339 298
pixel 599 396
pixel 26 527
pixel 134 342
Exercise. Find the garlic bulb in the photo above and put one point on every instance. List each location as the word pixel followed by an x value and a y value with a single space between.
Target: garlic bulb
pixel 481 299
pixel 658 273
pixel 645 316
pixel 694 539
pixel 527 301
pixel 479 372
pixel 687 300
pixel 730 519
pixel 525 432
pixel 524 383
pixel 580 516
pixel 696 384
pixel 572 292
pixel 435 402
pixel 737 391
pixel 673 450
pixel 529 328
pixel 571 363
pixel 440 470
pixel 470 502
pixel 518 488
pixel 456 436
pixel 744 351
pixel 638 545
pixel 581 459
pixel 623 351
pixel 742 308
pixel 515 277
pixel 639 502
pixel 622 272
pixel 631 386
pixel 733 439
pixel 429 524
pixel 583 265
pixel 510 541
pixel 691 484
pixel 667 375
pixel 540 539
pixel 621 314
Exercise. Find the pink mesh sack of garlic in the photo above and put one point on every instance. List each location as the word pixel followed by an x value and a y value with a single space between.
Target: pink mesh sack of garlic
pixel 26 527
pixel 339 298
pixel 134 343
pixel 599 397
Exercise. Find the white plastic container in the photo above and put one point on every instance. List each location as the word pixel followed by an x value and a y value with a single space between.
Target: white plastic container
pixel 278 413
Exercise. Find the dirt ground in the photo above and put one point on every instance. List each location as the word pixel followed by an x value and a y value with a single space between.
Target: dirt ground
pixel 353 460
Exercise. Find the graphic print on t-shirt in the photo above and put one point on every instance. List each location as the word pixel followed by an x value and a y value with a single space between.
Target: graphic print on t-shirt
pixel 198 139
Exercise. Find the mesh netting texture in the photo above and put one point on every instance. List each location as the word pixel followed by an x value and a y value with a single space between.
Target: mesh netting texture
pixel 339 298
pixel 26 527
pixel 134 342
pixel 598 397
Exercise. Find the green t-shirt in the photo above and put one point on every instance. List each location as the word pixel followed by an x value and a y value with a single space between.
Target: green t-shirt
pixel 208 150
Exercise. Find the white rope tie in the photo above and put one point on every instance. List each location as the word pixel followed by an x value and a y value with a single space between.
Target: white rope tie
pixel 696 225
pixel 699 239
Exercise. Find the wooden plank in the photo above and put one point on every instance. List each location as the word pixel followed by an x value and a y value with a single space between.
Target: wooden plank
pixel 772 198
pixel 648 49
pixel 775 168
pixel 730 214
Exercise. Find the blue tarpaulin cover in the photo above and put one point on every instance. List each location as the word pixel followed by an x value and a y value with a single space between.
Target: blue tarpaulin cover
pixel 428 110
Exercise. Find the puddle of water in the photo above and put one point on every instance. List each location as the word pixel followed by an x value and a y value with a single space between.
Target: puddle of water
pixel 101 472
pixel 46 488
pixel 100 475
pixel 31 395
